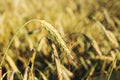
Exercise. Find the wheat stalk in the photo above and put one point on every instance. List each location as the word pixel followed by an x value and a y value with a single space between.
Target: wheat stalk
pixel 48 27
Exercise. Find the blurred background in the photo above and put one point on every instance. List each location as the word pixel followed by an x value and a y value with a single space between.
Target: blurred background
pixel 88 27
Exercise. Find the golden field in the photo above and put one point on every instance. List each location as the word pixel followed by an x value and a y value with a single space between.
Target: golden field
pixel 60 39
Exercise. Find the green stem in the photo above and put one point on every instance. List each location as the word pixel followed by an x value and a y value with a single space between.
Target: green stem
pixel 20 29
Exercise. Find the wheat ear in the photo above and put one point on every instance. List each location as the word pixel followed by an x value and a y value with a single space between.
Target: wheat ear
pixel 47 27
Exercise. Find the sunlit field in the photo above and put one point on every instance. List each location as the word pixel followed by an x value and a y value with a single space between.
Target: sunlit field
pixel 60 39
